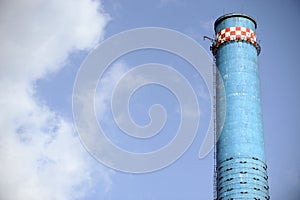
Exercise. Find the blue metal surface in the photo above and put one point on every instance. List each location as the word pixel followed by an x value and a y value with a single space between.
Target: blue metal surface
pixel 241 168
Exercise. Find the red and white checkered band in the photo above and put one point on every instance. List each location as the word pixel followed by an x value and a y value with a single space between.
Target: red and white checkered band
pixel 235 34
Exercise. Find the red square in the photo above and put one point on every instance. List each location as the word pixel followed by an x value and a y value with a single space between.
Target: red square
pixel 238 37
pixel 227 30
pixel 232 32
pixel 238 28
pixel 223 35
pixel 243 33
pixel 248 30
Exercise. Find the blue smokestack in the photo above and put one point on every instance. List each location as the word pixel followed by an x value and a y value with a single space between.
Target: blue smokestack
pixel 240 160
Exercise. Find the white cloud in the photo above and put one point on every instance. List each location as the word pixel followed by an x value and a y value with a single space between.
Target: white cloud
pixel 37 36
pixel 41 158
pixel 106 86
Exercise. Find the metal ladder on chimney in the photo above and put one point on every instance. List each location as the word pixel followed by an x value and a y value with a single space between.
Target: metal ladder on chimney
pixel 215 186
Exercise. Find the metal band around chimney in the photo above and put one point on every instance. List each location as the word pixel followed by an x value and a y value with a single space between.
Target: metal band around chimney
pixel 237 34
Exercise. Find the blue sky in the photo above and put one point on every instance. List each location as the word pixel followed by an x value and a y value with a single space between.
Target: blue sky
pixel 45 42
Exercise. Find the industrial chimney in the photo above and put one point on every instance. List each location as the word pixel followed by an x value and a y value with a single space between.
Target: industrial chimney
pixel 241 171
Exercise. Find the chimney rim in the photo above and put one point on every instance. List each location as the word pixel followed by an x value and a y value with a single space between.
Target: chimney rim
pixel 229 15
